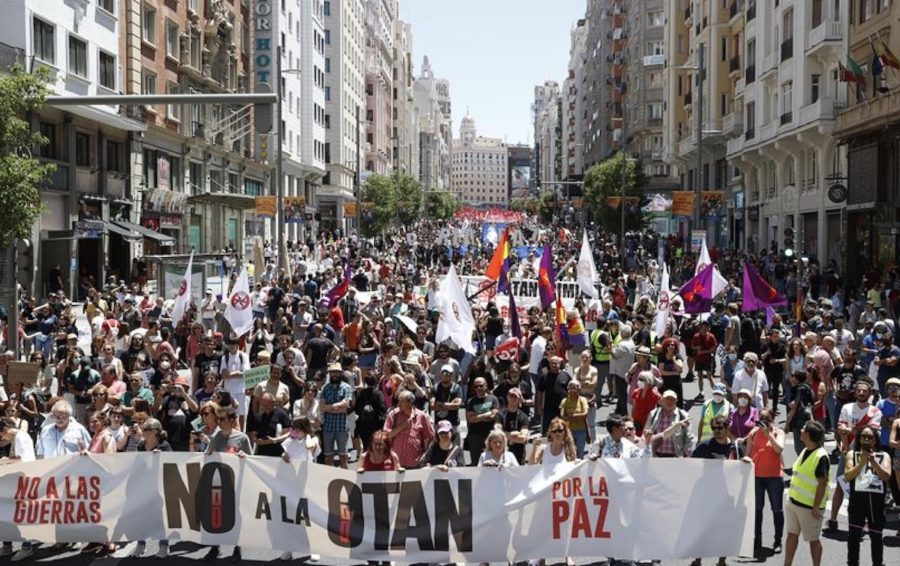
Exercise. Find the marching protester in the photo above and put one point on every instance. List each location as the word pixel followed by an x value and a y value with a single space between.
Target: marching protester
pixel 867 471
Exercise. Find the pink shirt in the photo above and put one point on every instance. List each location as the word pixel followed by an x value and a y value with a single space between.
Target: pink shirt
pixel 823 362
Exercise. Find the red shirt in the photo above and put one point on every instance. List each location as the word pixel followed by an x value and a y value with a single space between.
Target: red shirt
pixel 645 400
pixel 703 341
pixel 370 466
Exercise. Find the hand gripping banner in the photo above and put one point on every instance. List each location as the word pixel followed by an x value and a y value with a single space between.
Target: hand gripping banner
pixel 635 509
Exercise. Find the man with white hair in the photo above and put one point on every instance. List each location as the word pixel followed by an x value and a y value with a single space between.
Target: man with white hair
pixel 65 436
pixel 622 360
pixel 753 379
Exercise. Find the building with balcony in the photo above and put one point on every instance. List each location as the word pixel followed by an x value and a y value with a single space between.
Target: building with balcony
pixel 403 135
pixel 573 106
pixel 345 104
pixel 547 112
pixel 479 167
pixel 380 19
pixel 92 198
pixel 698 35
pixel 867 125
pixel 431 101
pixel 781 149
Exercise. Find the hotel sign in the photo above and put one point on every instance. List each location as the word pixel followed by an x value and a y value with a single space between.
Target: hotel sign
pixel 265 26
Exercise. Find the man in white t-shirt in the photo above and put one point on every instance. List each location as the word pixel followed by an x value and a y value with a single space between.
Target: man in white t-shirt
pixel 232 366
pixel 752 379
pixel 843 338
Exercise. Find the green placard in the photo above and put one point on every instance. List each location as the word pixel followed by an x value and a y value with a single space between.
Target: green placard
pixel 255 376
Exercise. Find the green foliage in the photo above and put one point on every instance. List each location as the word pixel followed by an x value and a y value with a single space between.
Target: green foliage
pixel 21 175
pixel 395 197
pixel 604 180
pixel 441 205
pixel 547 205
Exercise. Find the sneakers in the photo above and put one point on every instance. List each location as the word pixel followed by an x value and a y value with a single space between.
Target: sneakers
pixel 776 548
pixel 22 554
pixel 236 555
pixel 286 556
pixel 314 558
pixel 831 525
pixel 212 554
pixel 139 550
pixel 6 550
pixel 163 550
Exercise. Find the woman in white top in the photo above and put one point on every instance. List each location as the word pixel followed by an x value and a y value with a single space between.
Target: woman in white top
pixel 299 444
pixel 496 453
pixel 308 407
pixel 21 450
pixel 559 448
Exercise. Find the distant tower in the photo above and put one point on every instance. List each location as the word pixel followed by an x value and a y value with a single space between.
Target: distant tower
pixel 467 131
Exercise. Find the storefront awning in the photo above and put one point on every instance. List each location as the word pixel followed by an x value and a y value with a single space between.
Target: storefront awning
pixel 163 239
pixel 107 118
pixel 128 235
pixel 234 200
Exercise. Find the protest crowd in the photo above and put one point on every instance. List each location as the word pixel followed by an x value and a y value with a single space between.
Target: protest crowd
pixel 409 351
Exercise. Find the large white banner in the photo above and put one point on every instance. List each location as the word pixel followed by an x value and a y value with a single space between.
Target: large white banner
pixel 636 509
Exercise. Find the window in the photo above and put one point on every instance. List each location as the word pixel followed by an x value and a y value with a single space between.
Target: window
pixel 253 188
pixel 115 160
pixel 148 25
pixel 327 93
pixel 814 83
pixel 42 41
pixel 327 65
pixel 655 18
pixel 195 50
pixel 82 149
pixel 788 26
pixel 655 48
pixel 77 57
pixel 107 70
pixel 328 37
pixel 787 97
pixel 196 177
pixel 172 41
pixel 49 132
pixel 173 111
pixel 326 8
pixel 148 82
pixel 107 5
pixel 234 183
pixel 751 118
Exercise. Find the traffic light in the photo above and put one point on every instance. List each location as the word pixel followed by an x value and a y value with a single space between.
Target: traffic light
pixel 25 263
pixel 789 250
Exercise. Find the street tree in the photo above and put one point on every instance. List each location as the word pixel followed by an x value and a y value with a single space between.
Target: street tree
pixel 395 197
pixel 603 187
pixel 21 174
pixel 441 205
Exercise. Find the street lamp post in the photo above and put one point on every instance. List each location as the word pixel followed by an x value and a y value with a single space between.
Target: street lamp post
pixel 699 176
pixel 624 183
pixel 279 174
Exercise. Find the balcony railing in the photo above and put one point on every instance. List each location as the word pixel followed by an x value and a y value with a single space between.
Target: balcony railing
pixel 827 31
pixel 750 134
pixel 750 74
pixel 787 49
pixel 735 64
pixel 787 118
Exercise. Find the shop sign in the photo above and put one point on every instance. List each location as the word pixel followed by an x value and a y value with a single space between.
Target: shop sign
pixel 837 193
pixel 87 229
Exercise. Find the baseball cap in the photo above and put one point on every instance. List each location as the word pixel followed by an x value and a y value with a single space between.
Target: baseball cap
pixel 719 388
pixel 669 394
pixel 444 426
pixel 335 367
pixel 893 381
pixel 515 392
pixel 447 367
pixel 71 337
pixel 182 381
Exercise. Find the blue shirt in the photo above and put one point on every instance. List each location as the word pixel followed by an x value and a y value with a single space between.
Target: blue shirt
pixel 333 393
pixel 889 411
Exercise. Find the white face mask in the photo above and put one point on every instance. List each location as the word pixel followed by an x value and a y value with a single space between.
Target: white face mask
pixel 732 356
pixel 743 401
pixel 164 365
pixel 718 398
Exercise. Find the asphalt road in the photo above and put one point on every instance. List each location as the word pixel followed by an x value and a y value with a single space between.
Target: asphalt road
pixel 835 546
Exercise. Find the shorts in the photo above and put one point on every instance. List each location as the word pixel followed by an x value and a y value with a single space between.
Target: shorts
pixel 331 437
pixel 705 365
pixel 800 521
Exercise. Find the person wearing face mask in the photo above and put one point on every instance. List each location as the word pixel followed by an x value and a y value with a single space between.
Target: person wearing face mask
pixel 644 399
pixel 744 418
pixel 867 471
pixel 79 385
pixel 717 406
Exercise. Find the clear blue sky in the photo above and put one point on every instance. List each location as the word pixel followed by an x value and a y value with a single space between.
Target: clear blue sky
pixel 493 52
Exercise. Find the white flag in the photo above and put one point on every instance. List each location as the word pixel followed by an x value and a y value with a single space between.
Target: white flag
pixel 587 270
pixel 719 282
pixel 662 306
pixel 237 311
pixel 456 320
pixel 183 299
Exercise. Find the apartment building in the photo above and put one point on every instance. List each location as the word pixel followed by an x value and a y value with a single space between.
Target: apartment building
pixel 403 135
pixel 547 111
pixel 431 101
pixel 698 36
pixel 479 170
pixel 379 61
pixel 345 102
pixel 573 106
pixel 594 92
pixel 91 198
pixel 784 60
pixel 866 125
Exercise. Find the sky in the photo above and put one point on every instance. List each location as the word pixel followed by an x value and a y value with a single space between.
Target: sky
pixel 493 52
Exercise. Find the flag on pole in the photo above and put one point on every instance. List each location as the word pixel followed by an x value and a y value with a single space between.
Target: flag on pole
pixel 852 73
pixel 719 282
pixel 237 311
pixel 562 330
pixel 575 329
pixel 456 322
pixel 498 269
pixel 757 293
pixel 877 65
pixel 515 327
pixel 662 307
pixel 770 316
pixel 183 298
pixel 336 293
pixel 887 58
pixel 704 258
pixel 698 292
pixel 586 270
pixel 547 279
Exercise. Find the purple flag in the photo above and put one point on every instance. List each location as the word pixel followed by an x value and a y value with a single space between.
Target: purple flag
pixel 547 279
pixel 336 293
pixel 770 316
pixel 757 293
pixel 697 292
pixel 515 328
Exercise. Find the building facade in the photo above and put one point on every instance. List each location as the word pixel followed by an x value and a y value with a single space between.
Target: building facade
pixel 432 109
pixel 547 111
pixel 479 169
pixel 573 106
pixel 379 63
pixel 345 102
pixel 403 134
pixel 520 177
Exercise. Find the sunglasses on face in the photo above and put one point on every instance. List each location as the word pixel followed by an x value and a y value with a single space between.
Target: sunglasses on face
pixel 717 428
pixel 558 430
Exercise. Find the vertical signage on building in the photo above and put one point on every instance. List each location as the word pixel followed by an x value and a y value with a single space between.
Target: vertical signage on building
pixel 265 26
